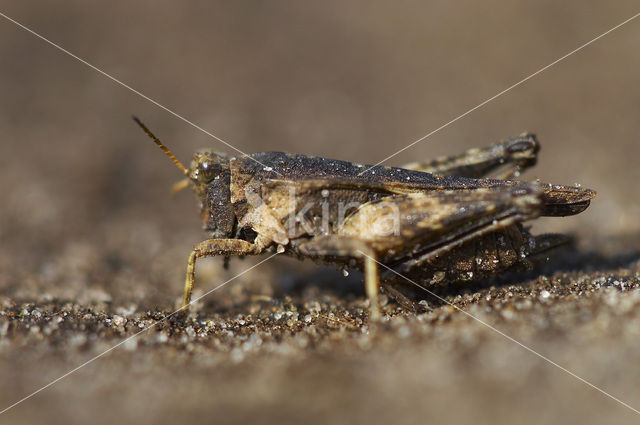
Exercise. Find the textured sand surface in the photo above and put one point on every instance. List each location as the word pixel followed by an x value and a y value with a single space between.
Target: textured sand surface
pixel 93 246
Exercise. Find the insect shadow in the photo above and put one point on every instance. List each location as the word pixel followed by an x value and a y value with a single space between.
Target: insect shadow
pixel 613 253
pixel 327 284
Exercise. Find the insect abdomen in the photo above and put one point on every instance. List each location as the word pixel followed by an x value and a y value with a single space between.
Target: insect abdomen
pixel 482 257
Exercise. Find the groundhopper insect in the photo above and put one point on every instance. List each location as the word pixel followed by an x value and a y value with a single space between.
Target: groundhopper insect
pixel 435 222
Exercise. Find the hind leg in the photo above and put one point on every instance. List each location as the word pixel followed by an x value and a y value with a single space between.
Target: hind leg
pixel 516 155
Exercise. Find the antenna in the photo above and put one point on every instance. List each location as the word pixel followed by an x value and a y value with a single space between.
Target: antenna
pixel 162 146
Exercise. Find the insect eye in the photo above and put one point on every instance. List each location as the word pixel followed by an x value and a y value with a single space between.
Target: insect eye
pixel 207 171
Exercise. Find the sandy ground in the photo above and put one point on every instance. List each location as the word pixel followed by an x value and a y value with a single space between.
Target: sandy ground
pixel 93 246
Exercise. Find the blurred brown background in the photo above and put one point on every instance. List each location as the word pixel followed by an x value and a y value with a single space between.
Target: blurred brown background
pixel 86 211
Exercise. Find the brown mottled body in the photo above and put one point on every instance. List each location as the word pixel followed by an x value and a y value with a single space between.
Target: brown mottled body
pixel 448 223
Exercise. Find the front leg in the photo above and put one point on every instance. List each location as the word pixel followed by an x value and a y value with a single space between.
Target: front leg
pixel 518 153
pixel 208 248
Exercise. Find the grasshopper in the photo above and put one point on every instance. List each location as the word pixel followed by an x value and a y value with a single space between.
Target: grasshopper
pixel 436 222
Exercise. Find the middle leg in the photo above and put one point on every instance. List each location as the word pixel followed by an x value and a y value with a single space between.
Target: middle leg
pixel 345 247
